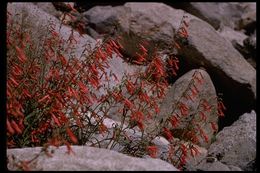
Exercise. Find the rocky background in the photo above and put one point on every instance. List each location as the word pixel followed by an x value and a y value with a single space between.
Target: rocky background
pixel 221 44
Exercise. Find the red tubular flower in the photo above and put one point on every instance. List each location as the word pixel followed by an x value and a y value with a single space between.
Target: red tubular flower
pixel 137 116
pixel 16 127
pixel 21 55
pixel 156 108
pixel 102 128
pixel 72 136
pixel 193 148
pixel 55 119
pixel 26 92
pixel 83 87
pixel 130 87
pixel 213 126
pixel 44 98
pixel 203 117
pixel 140 125
pixel 9 127
pixel 140 58
pixel 174 121
pixel 142 48
pixel 14 82
pixel 63 60
pixel 128 103
pixel 144 97
pixel 184 109
pixel 221 108
pixel 184 150
pixel 117 96
pixel 206 105
pixel 152 150
pixel 167 133
pixel 177 45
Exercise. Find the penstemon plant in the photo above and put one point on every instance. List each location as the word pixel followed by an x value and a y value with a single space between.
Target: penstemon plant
pixel 54 98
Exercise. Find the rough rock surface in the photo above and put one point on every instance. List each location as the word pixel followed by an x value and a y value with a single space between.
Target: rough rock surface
pixel 36 20
pixel 163 149
pixel 217 14
pixel 235 37
pixel 236 145
pixel 176 95
pixel 86 159
pixel 215 166
pixel 205 46
pixel 48 7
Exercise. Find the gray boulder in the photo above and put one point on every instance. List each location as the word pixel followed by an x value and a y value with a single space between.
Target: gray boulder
pixel 215 166
pixel 84 159
pixel 36 20
pixel 216 14
pixel 236 144
pixel 235 37
pixel 178 93
pixel 158 22
pixel 48 8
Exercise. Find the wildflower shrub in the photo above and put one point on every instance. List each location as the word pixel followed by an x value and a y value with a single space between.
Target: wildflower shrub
pixel 54 98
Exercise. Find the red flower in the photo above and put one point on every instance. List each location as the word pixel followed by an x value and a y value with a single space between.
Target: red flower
pixel 168 133
pixel 16 127
pixel 55 119
pixel 184 109
pixel 203 117
pixel 44 98
pixel 152 150
pixel 130 87
pixel 21 55
pixel 72 136
pixel 174 121
pixel 137 116
pixel 205 105
pixel 128 103
pixel 213 126
pixel 102 128
pixel 83 87
pixel 221 108
pixel 9 127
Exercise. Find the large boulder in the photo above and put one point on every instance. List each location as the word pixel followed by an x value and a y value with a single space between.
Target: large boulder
pixel 236 144
pixel 180 93
pixel 84 158
pixel 37 21
pixel 224 63
pixel 205 47
pixel 163 146
pixel 235 37
pixel 234 15
pixel 48 8
pixel 215 166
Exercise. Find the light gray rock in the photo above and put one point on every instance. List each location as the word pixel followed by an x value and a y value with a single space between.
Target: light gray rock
pixel 216 14
pixel 236 144
pixel 191 162
pixel 205 46
pixel 175 96
pixel 224 63
pixel 247 21
pixel 37 21
pixel 235 37
pixel 212 166
pixel 48 7
pixel 86 159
